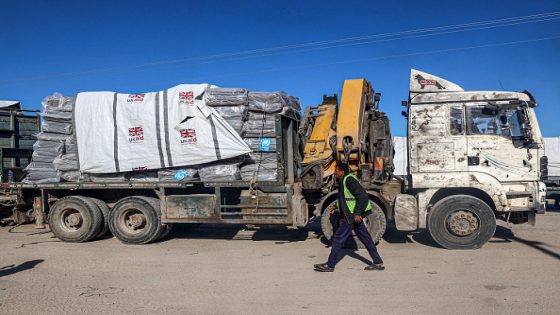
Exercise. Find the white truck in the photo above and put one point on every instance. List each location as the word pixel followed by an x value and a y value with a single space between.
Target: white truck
pixel 473 156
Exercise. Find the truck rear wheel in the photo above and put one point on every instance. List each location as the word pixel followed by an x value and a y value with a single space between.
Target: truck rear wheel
pixel 461 222
pixel 376 223
pixel 105 212
pixel 75 219
pixel 136 220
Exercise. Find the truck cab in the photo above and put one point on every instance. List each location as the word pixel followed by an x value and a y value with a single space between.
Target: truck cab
pixel 473 156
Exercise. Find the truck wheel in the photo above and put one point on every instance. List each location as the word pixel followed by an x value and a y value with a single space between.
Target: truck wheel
pixel 376 223
pixel 136 220
pixel 461 222
pixel 105 212
pixel 75 219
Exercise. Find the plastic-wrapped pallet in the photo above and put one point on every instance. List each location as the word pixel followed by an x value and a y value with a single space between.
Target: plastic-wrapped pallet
pixel 260 125
pixel 59 102
pixel 41 172
pixel 272 102
pixel 237 125
pixel 74 176
pixel 265 144
pixel 66 162
pixel 260 167
pixel 221 171
pixel 225 96
pixel 57 127
pixel 178 174
pixel 70 145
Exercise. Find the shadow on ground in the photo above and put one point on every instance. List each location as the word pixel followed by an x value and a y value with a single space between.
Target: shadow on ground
pixel 279 234
pixel 11 269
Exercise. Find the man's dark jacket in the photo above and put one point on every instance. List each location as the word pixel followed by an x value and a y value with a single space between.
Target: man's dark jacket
pixel 360 195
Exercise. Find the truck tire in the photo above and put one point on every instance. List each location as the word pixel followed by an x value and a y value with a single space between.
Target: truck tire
pixel 105 212
pixel 461 222
pixel 376 223
pixel 136 220
pixel 75 219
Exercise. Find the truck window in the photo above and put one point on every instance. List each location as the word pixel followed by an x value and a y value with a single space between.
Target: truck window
pixel 503 123
pixel 482 123
pixel 456 121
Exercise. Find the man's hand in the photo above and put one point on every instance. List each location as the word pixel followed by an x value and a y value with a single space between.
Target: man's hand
pixel 331 209
pixel 357 218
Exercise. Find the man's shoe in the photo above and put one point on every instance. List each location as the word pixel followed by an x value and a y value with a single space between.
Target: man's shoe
pixel 322 268
pixel 375 267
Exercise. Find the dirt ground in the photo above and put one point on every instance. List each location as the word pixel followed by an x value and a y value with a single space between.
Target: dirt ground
pixel 229 270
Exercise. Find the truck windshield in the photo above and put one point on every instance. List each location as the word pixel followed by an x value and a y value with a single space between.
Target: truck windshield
pixel 502 122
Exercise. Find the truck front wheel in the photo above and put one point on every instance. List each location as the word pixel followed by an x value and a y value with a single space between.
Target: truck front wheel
pixel 461 222
pixel 136 220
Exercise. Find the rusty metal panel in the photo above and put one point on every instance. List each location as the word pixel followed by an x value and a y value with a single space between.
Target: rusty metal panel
pixel 190 206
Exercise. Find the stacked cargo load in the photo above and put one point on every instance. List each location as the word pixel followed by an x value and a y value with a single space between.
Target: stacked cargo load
pixel 260 133
pixel 56 129
pixel 199 133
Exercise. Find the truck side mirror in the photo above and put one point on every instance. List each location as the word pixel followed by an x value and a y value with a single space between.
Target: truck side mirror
pixel 405 114
pixel 404 103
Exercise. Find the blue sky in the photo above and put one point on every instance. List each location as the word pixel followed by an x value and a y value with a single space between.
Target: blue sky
pixel 74 46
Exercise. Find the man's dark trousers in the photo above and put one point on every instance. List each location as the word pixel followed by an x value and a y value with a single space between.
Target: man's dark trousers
pixel 341 235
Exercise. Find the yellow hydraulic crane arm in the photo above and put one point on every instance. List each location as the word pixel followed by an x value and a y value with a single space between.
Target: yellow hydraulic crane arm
pixel 351 126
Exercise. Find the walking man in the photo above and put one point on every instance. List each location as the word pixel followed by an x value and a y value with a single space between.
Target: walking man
pixel 353 204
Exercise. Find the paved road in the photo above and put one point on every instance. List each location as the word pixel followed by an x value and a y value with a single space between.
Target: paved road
pixel 225 270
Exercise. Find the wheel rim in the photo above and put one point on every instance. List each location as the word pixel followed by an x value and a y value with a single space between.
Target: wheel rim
pixel 462 223
pixel 71 220
pixel 132 221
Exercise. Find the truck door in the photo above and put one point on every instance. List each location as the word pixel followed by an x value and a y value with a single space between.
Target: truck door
pixel 437 139
pixel 497 144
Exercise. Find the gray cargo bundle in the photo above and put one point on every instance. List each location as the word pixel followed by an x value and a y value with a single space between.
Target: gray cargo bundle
pixel 222 171
pixel 225 96
pixel 272 102
pixel 55 130
pixel 260 167
pixel 260 125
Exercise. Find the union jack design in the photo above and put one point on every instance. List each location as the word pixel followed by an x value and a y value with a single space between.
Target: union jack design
pixel 186 98
pixel 135 134
pixel 188 135
pixel 135 131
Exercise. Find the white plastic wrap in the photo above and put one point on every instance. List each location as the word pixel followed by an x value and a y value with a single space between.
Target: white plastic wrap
pixel 39 166
pixel 232 112
pixel 49 146
pixel 56 115
pixel 59 101
pixel 57 127
pixel 171 128
pixel 74 176
pixel 44 156
pixel 178 175
pixel 52 136
pixel 70 146
pixel 265 144
pixel 225 96
pixel 39 176
pixel 66 162
pixel 222 171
